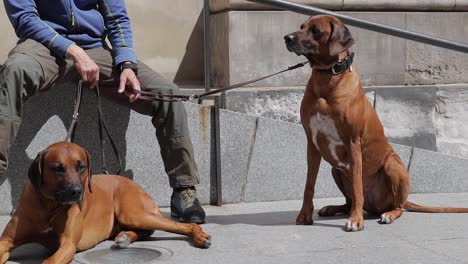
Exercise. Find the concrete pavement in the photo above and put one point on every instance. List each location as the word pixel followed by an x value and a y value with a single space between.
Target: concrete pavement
pixel 266 233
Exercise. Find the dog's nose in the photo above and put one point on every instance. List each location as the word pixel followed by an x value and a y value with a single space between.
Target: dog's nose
pixel 289 38
pixel 70 194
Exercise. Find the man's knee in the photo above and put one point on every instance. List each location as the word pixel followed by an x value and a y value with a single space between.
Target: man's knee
pixel 21 71
pixel 21 63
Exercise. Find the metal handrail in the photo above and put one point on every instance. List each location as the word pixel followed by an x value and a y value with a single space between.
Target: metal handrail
pixel 384 29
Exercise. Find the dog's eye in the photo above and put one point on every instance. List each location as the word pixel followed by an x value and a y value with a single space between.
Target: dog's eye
pixel 302 27
pixel 314 30
pixel 80 168
pixel 58 168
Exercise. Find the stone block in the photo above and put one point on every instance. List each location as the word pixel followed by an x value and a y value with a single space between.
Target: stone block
pixel 461 5
pixel 380 59
pixel 406 5
pixel 406 115
pixel 47 116
pixel 281 104
pixel 432 172
pixel 432 65
pixel 237 136
pixel 279 165
pixel 451 117
pixel 243 51
pixel 178 22
pixel 242 5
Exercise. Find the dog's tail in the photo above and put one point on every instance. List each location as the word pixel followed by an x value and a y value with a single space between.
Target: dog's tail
pixel 412 207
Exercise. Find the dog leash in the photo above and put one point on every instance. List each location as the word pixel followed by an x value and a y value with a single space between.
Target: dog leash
pixel 151 96
pixel 71 130
pixel 102 127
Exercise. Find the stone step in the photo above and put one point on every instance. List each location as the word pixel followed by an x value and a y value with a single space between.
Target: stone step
pixel 431 117
pixel 262 159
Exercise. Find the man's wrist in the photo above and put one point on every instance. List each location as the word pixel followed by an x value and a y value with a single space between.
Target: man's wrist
pixel 128 65
pixel 70 53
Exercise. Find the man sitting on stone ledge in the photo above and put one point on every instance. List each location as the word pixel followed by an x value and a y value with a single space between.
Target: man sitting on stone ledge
pixel 59 38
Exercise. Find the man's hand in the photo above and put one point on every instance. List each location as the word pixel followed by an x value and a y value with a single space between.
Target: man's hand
pixel 128 78
pixel 86 67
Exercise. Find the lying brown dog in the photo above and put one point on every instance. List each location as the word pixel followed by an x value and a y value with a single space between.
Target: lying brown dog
pixel 64 210
pixel 343 129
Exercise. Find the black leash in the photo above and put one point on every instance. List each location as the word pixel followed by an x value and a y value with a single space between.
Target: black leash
pixel 102 127
pixel 71 130
pixel 150 96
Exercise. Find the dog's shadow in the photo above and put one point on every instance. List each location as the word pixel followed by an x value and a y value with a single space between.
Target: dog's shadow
pixel 47 115
pixel 281 218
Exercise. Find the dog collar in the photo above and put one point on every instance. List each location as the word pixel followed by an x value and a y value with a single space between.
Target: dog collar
pixel 341 66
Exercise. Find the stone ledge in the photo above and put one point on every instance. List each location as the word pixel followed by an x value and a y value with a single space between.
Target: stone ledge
pixel 217 6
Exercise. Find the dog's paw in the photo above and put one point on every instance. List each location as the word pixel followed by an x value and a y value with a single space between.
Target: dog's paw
pixel 4 257
pixel 354 225
pixel 122 241
pixel 201 239
pixel 304 218
pixel 386 218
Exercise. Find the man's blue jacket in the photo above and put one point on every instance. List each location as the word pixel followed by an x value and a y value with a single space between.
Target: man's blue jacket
pixel 57 24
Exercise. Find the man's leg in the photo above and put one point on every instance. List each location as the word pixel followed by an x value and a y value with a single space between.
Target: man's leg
pixel 29 68
pixel 170 121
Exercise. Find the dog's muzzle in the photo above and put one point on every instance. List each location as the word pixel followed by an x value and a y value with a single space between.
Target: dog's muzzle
pixel 293 45
pixel 72 193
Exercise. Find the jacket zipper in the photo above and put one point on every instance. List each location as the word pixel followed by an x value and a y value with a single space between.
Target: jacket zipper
pixel 73 19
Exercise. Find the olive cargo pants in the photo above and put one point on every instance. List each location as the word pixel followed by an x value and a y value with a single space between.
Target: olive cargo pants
pixel 30 68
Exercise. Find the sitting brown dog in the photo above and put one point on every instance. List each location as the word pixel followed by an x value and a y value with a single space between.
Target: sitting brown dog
pixel 65 209
pixel 343 129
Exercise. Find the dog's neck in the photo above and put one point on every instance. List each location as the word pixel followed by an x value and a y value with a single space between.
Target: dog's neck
pixel 323 82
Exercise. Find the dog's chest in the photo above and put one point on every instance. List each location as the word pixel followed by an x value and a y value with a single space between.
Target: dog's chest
pixel 324 127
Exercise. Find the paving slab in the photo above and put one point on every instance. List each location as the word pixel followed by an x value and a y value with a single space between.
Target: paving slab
pixel 433 172
pixel 266 233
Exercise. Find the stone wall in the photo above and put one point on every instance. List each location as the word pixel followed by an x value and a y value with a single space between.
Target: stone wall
pixel 250 44
pixel 262 159
pixel 428 117
pixel 361 5
pixel 168 37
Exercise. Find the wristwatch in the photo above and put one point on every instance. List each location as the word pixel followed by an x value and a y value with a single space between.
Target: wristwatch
pixel 128 65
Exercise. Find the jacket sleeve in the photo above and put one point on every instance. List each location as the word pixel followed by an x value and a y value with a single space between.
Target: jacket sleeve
pixel 119 30
pixel 25 19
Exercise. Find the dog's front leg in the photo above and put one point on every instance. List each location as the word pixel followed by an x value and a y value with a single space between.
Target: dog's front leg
pixel 356 218
pixel 15 234
pixel 313 164
pixel 69 228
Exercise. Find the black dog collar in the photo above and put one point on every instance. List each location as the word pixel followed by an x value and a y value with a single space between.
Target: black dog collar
pixel 341 66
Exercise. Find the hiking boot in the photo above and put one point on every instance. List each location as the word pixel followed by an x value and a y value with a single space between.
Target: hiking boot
pixel 185 206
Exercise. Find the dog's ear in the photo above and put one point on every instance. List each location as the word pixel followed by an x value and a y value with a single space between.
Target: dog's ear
pixel 340 39
pixel 90 170
pixel 36 171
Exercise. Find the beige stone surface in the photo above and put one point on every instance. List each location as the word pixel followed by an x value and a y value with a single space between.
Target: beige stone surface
pixel 358 5
pixel 168 37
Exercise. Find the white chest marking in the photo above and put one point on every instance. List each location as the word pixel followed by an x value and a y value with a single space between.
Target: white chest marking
pixel 326 126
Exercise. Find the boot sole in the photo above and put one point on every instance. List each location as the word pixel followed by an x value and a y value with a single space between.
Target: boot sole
pixel 180 219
